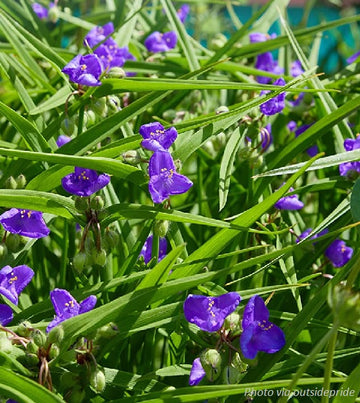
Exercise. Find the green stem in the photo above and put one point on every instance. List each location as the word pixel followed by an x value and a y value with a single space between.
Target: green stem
pixel 355 270
pixel 329 364
pixel 155 248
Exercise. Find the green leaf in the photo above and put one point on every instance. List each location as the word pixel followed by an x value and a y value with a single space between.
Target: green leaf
pixel 349 390
pixel 355 201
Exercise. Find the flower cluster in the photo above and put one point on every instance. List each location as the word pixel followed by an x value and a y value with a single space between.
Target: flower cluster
pixel 258 333
pixel 86 70
pixel 164 180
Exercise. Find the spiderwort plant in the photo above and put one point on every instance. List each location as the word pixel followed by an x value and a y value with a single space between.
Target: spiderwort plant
pixel 84 182
pixel 164 180
pixel 14 280
pixel 85 70
pixel 66 306
pixel 258 333
pixel 24 222
pixel 209 313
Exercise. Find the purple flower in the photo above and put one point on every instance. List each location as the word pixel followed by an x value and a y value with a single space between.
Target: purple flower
pixel 197 372
pixel 266 62
pixel 289 202
pixel 14 280
pixel 156 138
pixel 164 180
pixel 6 315
pixel 84 182
pixel 147 248
pixel 296 99
pixel 183 12
pixel 353 57
pixel 209 313
pixel 338 253
pixel 349 168
pixel 24 222
pixel 84 70
pixel 98 34
pixel 66 306
pixel 258 333
pixel 158 42
pixel 296 69
pixel 308 231
pixel 259 37
pixel 62 139
pixel 276 104
pixel 40 11
pixel 291 125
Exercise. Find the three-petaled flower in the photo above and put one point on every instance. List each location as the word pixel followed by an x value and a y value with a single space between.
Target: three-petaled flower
pixel 84 182
pixel 156 138
pixel 158 42
pixel 66 306
pixel 147 249
pixel 339 253
pixel 98 34
pixel 84 70
pixel 291 202
pixel 14 280
pixel 258 333
pixel 24 222
pixel 209 313
pixel 164 180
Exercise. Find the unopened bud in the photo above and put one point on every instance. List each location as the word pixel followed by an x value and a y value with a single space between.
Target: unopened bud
pixel 31 360
pixel 220 140
pixel 81 203
pixel 68 126
pixel 13 242
pixel 97 380
pixel 116 72
pixel 209 147
pixel 221 109
pixel 56 335
pixel 161 228
pixel 3 251
pixel 231 375
pixel 24 329
pixel 112 238
pixel 100 107
pixel 211 362
pixel 38 337
pixel 53 14
pixel 169 115
pixel 97 203
pixel 21 181
pixel 90 117
pixel 178 165
pixel 131 157
pixel 217 42
pixel 113 102
pixel 99 257
pixel 256 162
pixel 80 262
pixel 108 331
pixel 76 395
pixel 195 96
pixel 245 153
pixel 5 345
pixel 10 183
pixel 232 323
pixel 54 351
pixel 31 347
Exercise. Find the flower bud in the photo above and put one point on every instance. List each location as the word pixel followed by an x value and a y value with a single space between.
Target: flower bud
pixel 195 96
pixel 169 115
pixel 13 242
pixel 108 331
pixel 211 362
pixel 68 126
pixel 31 347
pixel 21 181
pixel 231 375
pixel 97 203
pixel 209 147
pixel 90 117
pixel 178 165
pixel 112 238
pixel 220 140
pixel 81 203
pixel 221 109
pixel 97 380
pixel 38 337
pixel 31 360
pixel 24 329
pixel 76 395
pixel 245 153
pixel 161 228
pixel 100 107
pixel 232 323
pixel 256 162
pixel 101 214
pixel 54 351
pixel 56 335
pixel 80 262
pixel 10 183
pixel 53 14
pixel 3 251
pixel 113 103
pixel 116 72
pixel 131 157
pixel 99 257
pixel 218 41
pixel 237 363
